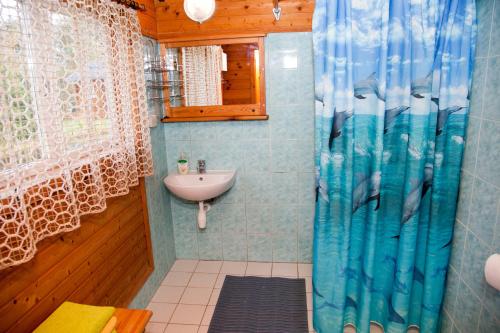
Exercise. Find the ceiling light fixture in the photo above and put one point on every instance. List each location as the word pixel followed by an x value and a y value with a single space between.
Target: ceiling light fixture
pixel 199 10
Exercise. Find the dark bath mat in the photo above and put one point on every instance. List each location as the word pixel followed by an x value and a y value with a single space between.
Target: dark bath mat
pixel 260 305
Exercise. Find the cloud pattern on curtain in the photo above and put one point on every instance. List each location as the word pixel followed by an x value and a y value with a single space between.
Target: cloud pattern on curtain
pixel 392 82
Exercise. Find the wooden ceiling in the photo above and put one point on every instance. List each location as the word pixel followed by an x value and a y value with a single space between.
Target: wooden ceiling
pixel 232 17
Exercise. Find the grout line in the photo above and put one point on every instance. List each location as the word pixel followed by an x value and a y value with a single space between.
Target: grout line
pixel 246 232
pixel 481 303
pixel 472 291
pixel 450 317
pixel 478 139
pixel 483 92
pixel 479 238
pixel 486 181
pixel 467 171
pixel 479 318
pixel 462 260
pixel 491 27
pixel 494 120
pixel 185 288
pixel 497 225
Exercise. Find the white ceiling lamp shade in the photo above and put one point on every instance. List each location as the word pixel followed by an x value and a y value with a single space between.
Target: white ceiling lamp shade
pixel 199 10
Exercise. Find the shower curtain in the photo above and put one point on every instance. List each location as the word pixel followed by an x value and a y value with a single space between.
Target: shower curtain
pixel 392 96
pixel 202 75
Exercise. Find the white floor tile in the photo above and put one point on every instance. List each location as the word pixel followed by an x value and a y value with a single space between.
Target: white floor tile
pixel 214 297
pixel 285 269
pixel 203 329
pixel 308 284
pixel 177 328
pixel 168 294
pixel 192 310
pixel 259 269
pixel 180 279
pixel 161 311
pixel 203 280
pixel 196 296
pixel 184 266
pixel 309 301
pixel 305 270
pixel 220 280
pixel 207 317
pixel 234 267
pixel 209 266
pixel 155 328
pixel 188 314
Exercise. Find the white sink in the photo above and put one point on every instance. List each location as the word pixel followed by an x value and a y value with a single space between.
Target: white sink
pixel 200 187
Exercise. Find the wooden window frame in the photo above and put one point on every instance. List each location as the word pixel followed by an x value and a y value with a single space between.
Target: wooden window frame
pixel 255 111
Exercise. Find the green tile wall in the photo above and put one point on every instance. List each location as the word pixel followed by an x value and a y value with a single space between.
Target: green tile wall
pixel 471 306
pixel 268 215
pixel 160 218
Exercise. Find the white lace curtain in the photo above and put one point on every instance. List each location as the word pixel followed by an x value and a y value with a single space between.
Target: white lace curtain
pixel 202 75
pixel 72 116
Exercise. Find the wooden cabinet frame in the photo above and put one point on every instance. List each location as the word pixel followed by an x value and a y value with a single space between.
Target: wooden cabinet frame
pixel 255 111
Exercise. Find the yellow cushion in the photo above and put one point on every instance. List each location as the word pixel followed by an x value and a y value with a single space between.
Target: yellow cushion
pixel 76 318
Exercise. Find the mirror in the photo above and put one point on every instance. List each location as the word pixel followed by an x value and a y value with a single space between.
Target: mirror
pixel 214 78
pixel 213 74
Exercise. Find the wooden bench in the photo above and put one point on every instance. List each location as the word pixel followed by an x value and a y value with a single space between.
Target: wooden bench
pixel 131 321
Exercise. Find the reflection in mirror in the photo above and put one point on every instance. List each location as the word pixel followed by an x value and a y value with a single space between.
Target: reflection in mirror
pixel 213 75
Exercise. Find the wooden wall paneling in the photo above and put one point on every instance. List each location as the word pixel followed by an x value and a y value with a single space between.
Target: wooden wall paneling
pixel 147 18
pixel 233 17
pixel 142 275
pixel 68 269
pixel 255 111
pixel 51 272
pixel 132 267
pixel 202 41
pixel 57 295
pixel 19 276
pixel 127 259
pixel 262 76
pixel 104 262
pixel 145 213
pixel 222 118
pixel 215 111
pixel 53 251
pixel 239 79
pixel 86 293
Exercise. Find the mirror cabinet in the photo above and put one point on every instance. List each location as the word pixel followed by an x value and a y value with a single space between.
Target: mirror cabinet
pixel 211 80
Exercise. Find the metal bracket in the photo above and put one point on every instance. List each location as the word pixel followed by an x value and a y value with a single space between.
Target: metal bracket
pixel 276 10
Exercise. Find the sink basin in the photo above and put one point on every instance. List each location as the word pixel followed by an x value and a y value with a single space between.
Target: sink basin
pixel 200 187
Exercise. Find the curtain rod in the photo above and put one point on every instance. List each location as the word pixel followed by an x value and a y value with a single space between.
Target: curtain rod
pixel 132 4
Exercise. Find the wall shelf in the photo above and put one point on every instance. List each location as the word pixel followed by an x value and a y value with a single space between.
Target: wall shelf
pixel 215 118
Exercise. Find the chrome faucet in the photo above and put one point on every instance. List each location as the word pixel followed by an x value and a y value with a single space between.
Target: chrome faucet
pixel 201 166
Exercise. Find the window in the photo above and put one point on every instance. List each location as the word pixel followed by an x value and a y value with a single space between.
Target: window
pixel 73 116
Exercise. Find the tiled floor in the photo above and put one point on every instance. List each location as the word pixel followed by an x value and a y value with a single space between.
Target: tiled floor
pixel 186 299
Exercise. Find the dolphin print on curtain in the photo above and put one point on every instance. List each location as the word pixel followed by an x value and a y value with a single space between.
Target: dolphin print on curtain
pixel 392 96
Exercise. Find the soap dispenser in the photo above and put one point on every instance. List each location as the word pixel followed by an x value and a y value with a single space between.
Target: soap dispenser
pixel 183 165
